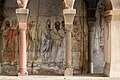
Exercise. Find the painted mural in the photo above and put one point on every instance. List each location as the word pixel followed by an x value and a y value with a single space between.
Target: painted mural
pixel 9 40
pixel 45 39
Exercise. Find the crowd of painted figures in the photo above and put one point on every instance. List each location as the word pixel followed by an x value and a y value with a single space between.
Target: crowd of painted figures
pixel 46 40
pixel 10 41
pixel 52 43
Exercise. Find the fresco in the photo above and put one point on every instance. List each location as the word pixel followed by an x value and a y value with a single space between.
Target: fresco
pixel 45 39
pixel 9 42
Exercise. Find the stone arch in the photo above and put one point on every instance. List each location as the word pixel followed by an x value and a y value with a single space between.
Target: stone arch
pixel 95 48
pixel 111 6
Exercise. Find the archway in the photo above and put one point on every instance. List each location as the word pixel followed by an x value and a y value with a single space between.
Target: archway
pixel 111 50
pixel 97 35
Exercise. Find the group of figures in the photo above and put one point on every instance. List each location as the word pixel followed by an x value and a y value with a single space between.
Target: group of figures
pixel 53 42
pixel 46 47
pixel 51 53
pixel 10 41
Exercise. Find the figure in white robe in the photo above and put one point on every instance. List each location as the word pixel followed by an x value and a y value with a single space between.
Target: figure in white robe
pixel 46 42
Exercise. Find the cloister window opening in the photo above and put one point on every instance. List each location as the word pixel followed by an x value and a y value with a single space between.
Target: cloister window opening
pixel 46 38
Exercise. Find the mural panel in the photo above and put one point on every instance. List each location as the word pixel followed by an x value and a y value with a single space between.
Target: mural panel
pixel 9 45
pixel 46 39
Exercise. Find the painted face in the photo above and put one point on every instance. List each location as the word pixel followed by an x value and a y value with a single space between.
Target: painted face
pixel 57 25
pixel 48 23
pixel 75 22
pixel 7 23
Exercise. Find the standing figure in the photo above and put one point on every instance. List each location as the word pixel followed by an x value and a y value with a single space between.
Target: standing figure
pixel 46 42
pixel 31 40
pixel 10 49
pixel 58 38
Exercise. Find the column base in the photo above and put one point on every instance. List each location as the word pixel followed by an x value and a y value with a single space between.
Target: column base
pixel 91 67
pixel 23 74
pixel 107 69
pixel 68 72
pixel 112 70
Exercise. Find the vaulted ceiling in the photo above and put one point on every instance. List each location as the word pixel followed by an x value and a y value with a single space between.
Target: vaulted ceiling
pixel 91 7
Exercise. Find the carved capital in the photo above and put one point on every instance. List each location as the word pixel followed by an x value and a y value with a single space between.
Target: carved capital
pixel 22 15
pixel 112 15
pixel 69 15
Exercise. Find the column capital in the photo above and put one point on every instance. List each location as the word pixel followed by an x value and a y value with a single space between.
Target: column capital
pixel 112 15
pixel 69 15
pixel 22 15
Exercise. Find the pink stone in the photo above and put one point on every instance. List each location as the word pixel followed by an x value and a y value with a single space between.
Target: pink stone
pixel 23 58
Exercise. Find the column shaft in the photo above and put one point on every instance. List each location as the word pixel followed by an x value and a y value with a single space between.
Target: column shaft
pixel 68 49
pixel 90 43
pixel 22 54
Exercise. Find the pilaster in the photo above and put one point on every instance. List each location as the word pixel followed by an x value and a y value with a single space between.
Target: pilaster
pixel 112 43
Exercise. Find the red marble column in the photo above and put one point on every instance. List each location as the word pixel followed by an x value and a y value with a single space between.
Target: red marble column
pixel 23 58
pixel 22 15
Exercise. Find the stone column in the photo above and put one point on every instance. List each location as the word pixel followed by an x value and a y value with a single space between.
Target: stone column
pixel 69 17
pixel 91 22
pixel 22 18
pixel 112 43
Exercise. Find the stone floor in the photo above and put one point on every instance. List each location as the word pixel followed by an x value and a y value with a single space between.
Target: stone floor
pixel 40 77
